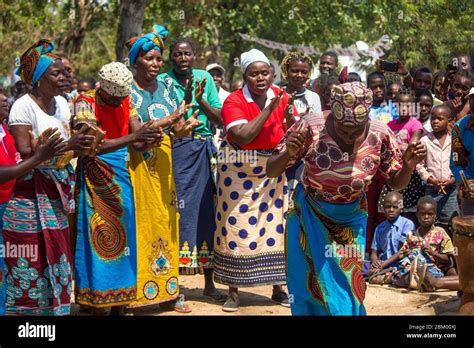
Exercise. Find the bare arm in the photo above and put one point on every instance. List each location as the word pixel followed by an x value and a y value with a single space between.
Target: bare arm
pixel 244 134
pixel 414 154
pixel 52 145
pixel 21 134
pixel 392 259
pixel 214 114
pixel 138 136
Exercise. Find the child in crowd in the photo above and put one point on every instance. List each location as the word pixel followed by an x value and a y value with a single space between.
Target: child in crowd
pixel 406 127
pixel 459 90
pixel 296 69
pixel 435 170
pixel 427 254
pixel 392 91
pixel 388 238
pixel 424 101
pixel 380 110
pixel 439 93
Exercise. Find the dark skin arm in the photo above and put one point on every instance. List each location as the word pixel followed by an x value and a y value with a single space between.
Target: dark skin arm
pixel 444 258
pixel 244 134
pixel 214 114
pixel 77 143
pixel 414 154
pixel 393 258
pixel 277 163
pixel 376 264
pixel 52 146
pixel 139 137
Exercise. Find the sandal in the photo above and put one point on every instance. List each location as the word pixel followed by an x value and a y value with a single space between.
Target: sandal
pixel 414 282
pixel 177 306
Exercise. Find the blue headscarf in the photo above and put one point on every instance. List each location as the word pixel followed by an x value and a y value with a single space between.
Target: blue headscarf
pixel 147 42
pixel 35 61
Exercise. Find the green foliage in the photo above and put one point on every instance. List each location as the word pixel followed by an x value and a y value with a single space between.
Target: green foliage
pixel 423 32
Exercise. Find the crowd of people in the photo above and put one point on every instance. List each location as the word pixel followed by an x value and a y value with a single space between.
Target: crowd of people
pixel 125 185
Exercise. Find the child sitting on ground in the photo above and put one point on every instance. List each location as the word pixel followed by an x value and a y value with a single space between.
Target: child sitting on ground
pixel 426 258
pixel 388 238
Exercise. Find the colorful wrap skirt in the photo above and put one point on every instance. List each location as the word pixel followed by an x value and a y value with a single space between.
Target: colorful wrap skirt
pixel 325 244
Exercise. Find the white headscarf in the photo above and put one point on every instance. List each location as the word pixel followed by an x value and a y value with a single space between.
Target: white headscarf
pixel 252 56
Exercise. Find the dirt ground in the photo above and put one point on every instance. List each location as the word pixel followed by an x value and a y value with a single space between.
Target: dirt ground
pixel 380 300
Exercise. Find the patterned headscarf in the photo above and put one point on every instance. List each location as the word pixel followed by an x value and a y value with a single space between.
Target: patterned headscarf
pixel 36 60
pixel 351 102
pixel 154 40
pixel 115 79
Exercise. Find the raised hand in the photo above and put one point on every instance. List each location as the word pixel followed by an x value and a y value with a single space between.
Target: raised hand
pixel 179 113
pixel 188 126
pixel 275 101
pixel 296 140
pixel 414 154
pixel 199 90
pixel 149 133
pixel 188 92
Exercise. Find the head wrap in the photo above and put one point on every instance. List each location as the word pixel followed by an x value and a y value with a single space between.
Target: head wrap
pixel 154 40
pixel 350 103
pixel 35 61
pixel 252 56
pixel 115 79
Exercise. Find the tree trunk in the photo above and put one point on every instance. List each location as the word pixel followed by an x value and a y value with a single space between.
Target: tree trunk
pixel 130 25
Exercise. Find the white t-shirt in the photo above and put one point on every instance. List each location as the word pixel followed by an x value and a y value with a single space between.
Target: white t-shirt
pixel 26 112
pixel 223 94
pixel 308 98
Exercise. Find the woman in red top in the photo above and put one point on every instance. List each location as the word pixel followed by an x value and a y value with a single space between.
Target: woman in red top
pixel 250 206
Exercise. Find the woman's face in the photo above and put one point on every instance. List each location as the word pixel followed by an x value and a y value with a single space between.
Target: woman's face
pixel 182 56
pixel 110 99
pixel 149 64
pixel 349 133
pixel 298 73
pixel 54 81
pixel 258 78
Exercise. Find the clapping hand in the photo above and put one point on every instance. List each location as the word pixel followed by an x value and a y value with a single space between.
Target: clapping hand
pixel 296 140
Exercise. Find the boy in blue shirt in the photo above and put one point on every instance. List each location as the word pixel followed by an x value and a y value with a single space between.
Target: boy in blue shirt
pixel 388 239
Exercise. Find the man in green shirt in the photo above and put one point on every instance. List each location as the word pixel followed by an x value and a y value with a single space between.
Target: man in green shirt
pixel 192 156
pixel 191 87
